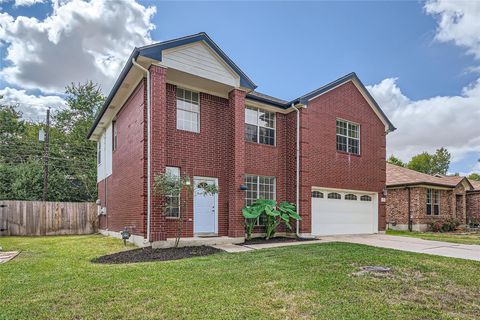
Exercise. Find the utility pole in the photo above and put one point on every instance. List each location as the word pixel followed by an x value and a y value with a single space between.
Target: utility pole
pixel 45 172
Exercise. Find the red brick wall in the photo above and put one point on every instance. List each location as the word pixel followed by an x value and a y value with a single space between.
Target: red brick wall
pixel 473 207
pixel 201 154
pixel 124 192
pixel 158 114
pixel 323 166
pixel 397 205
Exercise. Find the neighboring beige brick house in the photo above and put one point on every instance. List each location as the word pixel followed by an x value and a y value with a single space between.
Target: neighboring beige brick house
pixel 415 200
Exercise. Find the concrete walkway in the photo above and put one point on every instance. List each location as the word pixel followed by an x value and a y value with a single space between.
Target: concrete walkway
pixel 7 256
pixel 410 244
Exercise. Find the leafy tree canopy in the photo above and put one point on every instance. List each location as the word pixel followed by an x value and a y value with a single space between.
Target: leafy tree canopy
pixel 72 158
pixel 396 161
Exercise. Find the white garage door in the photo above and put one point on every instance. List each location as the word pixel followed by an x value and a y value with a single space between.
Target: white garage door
pixel 343 212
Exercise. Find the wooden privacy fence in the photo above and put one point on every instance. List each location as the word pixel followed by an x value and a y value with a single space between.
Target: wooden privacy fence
pixel 38 218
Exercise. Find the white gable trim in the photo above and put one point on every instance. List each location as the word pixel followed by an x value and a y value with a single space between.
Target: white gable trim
pixel 199 59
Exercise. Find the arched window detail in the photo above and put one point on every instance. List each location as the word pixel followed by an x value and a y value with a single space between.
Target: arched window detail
pixel 350 197
pixel 317 194
pixel 365 198
pixel 334 195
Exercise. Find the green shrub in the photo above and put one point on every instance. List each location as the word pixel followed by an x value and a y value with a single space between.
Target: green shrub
pixel 447 225
pixel 273 213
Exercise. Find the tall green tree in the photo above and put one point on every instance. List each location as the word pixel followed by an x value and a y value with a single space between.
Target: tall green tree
pixel 72 158
pixel 441 161
pixel 437 163
pixel 474 176
pixel 396 161
pixel 421 162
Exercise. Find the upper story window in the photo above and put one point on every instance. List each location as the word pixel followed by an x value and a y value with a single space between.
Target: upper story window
pixel 114 135
pixel 433 202
pixel 259 126
pixel 348 137
pixel 188 110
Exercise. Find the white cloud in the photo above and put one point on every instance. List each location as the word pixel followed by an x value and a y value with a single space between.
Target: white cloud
pixel 428 124
pixel 32 106
pixel 27 3
pixel 458 21
pixel 79 41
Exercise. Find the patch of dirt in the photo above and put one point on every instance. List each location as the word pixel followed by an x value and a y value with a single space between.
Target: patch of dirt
pixel 273 240
pixel 149 254
pixel 375 271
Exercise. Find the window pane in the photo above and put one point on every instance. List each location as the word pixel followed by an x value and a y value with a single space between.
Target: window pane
pixel 365 198
pixel 341 127
pixel 251 116
pixel 334 195
pixel 267 136
pixel 266 119
pixel 353 131
pixel 429 209
pixel 436 209
pixel 353 146
pixel 251 133
pixel 317 194
pixel 341 143
pixel 350 197
pixel 180 93
pixel 188 110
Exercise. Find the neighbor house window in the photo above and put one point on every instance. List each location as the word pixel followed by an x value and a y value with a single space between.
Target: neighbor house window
pixel 188 110
pixel 259 187
pixel 114 135
pixel 259 126
pixel 348 137
pixel 433 202
pixel 172 202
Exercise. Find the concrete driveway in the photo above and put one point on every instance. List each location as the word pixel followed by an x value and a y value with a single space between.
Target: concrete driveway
pixel 439 248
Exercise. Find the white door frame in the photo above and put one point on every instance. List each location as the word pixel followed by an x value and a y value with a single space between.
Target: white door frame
pixel 374 195
pixel 196 179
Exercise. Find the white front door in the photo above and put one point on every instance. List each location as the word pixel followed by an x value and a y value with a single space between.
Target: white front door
pixel 205 208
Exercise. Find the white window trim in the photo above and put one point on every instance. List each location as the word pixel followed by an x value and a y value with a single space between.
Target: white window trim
pixel 199 110
pixel 257 224
pixel 346 136
pixel 432 202
pixel 259 126
pixel 114 135
pixel 99 152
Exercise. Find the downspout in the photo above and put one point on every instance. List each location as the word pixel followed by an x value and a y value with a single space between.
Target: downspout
pixel 409 211
pixel 297 184
pixel 149 147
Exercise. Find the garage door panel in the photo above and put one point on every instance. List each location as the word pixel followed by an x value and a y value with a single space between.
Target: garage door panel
pixel 340 216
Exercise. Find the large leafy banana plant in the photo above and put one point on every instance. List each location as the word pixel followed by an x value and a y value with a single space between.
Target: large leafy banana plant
pixel 275 214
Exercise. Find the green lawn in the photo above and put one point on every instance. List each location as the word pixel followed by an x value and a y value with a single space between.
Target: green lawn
pixel 471 238
pixel 53 278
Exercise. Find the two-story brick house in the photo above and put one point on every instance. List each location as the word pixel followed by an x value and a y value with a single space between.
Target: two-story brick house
pixel 183 106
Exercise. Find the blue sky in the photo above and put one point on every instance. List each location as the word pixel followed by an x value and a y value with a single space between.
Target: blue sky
pixel 290 48
pixel 419 70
